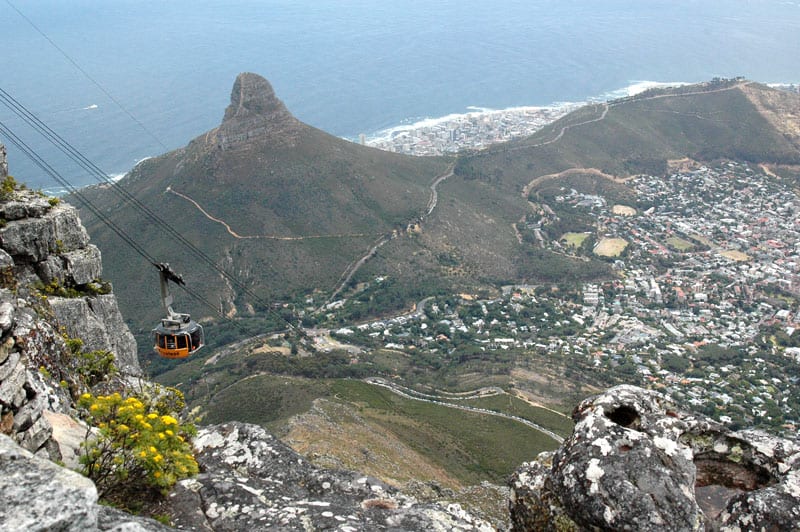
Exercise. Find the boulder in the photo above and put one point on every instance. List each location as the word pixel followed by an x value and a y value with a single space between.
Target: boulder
pixel 33 239
pixel 39 495
pixel 635 461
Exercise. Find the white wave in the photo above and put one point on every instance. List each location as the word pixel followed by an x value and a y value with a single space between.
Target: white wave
pixel 638 87
pixel 411 126
pixel 88 107
pixel 385 135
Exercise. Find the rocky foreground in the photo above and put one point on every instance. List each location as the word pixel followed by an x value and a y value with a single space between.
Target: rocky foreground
pixel 637 462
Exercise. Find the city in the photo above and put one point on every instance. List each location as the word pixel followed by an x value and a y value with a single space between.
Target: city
pixel 702 304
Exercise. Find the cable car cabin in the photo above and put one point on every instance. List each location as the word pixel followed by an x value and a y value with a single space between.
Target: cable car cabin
pixel 178 338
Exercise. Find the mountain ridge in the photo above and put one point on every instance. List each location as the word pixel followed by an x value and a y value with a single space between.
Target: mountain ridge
pixel 279 183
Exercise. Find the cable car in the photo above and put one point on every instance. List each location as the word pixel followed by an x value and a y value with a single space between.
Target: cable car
pixel 177 336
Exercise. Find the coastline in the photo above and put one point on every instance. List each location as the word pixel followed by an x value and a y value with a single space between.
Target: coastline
pixel 481 127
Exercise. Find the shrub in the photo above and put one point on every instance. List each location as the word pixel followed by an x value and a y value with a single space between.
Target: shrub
pixel 135 450
pixel 91 367
pixel 7 187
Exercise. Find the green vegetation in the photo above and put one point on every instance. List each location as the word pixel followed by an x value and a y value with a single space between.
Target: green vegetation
pixel 55 288
pixel 466 444
pixel 679 244
pixel 8 186
pixel 137 451
pixel 574 240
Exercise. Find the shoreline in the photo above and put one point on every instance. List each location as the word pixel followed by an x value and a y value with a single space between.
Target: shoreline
pixel 481 127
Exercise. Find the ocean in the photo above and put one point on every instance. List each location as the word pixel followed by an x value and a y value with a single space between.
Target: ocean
pixel 122 80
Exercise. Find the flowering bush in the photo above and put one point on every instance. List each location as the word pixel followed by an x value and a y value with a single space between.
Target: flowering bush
pixel 134 447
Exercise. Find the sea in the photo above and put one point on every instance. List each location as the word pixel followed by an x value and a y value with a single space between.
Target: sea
pixel 123 80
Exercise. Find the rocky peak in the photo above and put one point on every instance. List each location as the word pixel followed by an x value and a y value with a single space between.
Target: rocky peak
pixel 255 114
pixel 635 461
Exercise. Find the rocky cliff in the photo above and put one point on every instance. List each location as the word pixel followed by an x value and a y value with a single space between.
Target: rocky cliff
pixel 45 250
pixel 635 461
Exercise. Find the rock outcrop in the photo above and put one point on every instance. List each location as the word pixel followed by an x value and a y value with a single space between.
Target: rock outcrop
pixel 637 462
pixel 45 249
pixel 252 481
pixel 39 495
pixel 255 114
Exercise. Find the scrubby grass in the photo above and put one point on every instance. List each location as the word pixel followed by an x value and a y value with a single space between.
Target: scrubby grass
pixel 679 244
pixel 263 399
pixel 509 404
pixel 574 239
pixel 473 447
pixel 610 247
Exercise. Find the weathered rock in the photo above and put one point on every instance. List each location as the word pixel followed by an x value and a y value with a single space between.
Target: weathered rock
pixel 97 321
pixel 38 495
pixel 255 114
pixel 637 462
pixel 3 162
pixel 252 481
pixel 56 231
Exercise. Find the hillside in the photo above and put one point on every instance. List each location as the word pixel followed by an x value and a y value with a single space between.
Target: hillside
pixel 281 205
pixel 290 210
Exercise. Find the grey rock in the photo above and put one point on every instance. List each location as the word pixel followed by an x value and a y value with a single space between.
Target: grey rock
pixel 35 436
pixel 252 481
pixel 6 315
pixel 637 462
pixel 3 162
pixel 29 413
pixel 39 495
pixel 5 260
pixel 33 239
pixel 9 364
pixel 10 386
pixel 98 322
pixel 77 267
pixel 84 265
pixel 114 520
pixel 52 269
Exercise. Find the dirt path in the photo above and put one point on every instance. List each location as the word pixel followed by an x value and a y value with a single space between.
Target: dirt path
pixel 571 171
pixel 433 200
pixel 443 401
pixel 234 234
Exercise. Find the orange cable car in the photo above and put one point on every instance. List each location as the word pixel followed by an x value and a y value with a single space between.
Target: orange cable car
pixel 177 336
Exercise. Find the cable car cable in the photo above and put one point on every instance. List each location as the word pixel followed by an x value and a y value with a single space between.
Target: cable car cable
pixel 86 75
pixel 52 172
pixel 31 119
pixel 158 140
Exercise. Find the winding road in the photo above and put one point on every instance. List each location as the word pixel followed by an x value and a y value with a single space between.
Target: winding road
pixel 407 393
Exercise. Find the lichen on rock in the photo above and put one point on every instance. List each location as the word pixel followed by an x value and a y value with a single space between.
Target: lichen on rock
pixel 635 461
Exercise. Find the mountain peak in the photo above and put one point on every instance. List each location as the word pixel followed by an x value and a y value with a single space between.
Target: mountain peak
pixel 255 113
pixel 253 95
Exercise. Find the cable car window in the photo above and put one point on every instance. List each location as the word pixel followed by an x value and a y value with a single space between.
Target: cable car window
pixel 170 342
pixel 162 340
pixel 196 341
pixel 182 342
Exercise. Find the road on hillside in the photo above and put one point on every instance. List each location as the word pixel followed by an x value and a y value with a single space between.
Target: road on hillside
pixel 441 401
